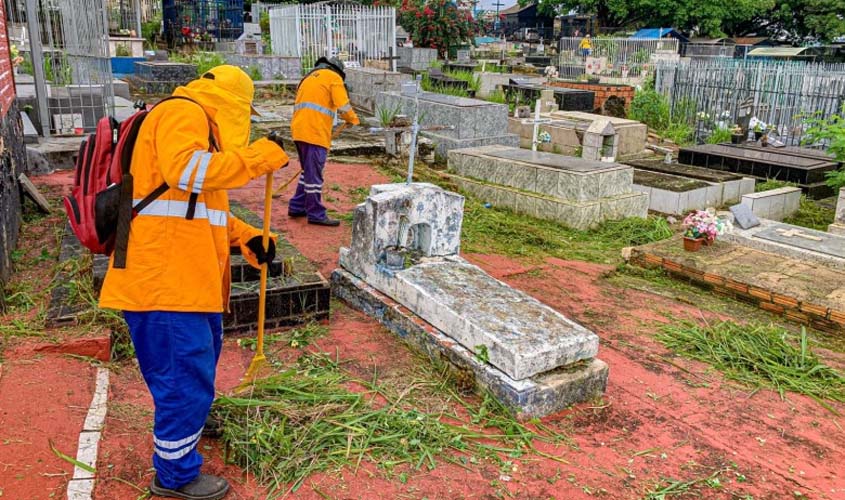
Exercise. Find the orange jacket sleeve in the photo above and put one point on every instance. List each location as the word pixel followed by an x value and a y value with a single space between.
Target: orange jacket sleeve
pixel 186 164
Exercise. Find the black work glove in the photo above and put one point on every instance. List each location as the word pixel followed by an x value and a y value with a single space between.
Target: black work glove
pixel 275 137
pixel 262 256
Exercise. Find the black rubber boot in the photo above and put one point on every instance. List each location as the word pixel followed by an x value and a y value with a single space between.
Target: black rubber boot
pixel 204 487
pixel 325 222
pixel 294 215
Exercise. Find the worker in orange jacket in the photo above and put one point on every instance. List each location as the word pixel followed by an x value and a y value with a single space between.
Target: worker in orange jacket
pixel 175 285
pixel 320 97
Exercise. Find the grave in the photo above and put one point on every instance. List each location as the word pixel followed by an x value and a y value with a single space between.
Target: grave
pixel 575 192
pixel 490 82
pixel 606 94
pixel 567 129
pixel 567 99
pixel 774 204
pixel 803 167
pixel 838 226
pixel 269 66
pixel 794 242
pixel 296 291
pixel 438 78
pixel 403 268
pixel 162 77
pixel 415 58
pixel 475 122
pixel 677 189
pixel 364 84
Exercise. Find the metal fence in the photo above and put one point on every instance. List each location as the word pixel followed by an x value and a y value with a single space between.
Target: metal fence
pixel 722 92
pixel 124 16
pixel 612 57
pixel 354 33
pixel 67 74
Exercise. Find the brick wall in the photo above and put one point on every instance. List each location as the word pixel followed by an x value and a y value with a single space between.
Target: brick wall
pixel 602 92
pixel 791 308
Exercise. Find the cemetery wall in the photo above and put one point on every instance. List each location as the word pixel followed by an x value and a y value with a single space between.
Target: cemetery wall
pixel 12 164
pixel 416 58
pixel 271 67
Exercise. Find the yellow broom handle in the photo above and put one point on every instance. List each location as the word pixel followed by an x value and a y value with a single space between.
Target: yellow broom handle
pixel 265 242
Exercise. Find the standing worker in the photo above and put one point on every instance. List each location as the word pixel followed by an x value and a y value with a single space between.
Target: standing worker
pixel 320 96
pixel 586 47
pixel 175 285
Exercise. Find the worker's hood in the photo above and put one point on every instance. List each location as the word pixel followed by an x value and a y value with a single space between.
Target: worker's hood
pixel 226 93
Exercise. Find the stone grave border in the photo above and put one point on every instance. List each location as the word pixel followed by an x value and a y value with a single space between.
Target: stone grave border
pixel 791 308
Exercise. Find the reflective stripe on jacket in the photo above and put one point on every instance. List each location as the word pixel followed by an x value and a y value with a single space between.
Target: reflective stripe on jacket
pixel 320 96
pixel 176 264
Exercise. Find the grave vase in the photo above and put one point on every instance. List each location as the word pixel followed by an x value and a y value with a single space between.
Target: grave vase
pixel 693 244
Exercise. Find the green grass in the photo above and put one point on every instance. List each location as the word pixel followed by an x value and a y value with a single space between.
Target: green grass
pixel 812 215
pixel 760 356
pixel 299 337
pixel 770 184
pixel 499 230
pixel 306 419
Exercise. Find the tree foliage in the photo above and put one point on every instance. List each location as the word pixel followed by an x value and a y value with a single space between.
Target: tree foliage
pixel 438 24
pixel 794 19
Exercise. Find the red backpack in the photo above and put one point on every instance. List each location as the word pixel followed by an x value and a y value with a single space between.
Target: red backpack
pixel 100 204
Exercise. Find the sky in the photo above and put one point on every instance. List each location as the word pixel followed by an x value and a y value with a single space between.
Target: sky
pixel 488 4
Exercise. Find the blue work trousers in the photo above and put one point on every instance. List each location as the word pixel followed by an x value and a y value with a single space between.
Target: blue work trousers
pixel 177 353
pixel 309 192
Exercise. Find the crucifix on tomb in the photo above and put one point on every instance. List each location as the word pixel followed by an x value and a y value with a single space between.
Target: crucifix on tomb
pixel 536 121
pixel 789 233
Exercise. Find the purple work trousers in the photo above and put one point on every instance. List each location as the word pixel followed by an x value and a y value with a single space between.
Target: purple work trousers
pixel 309 198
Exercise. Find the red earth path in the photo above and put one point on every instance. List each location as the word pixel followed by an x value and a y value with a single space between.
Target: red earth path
pixel 661 416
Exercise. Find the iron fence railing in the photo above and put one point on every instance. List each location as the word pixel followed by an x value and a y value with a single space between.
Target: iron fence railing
pixel 611 57
pixel 721 92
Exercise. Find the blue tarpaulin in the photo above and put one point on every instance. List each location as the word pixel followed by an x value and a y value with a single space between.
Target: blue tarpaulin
pixel 655 33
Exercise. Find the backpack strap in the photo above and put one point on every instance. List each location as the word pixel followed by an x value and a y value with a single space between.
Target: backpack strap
pixel 212 146
pixel 127 211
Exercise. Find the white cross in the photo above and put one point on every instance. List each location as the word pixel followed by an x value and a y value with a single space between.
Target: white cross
pixel 789 233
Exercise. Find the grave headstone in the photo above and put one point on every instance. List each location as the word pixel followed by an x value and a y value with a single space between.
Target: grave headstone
pixel 600 141
pixel 744 217
pixel 568 128
pixel 405 244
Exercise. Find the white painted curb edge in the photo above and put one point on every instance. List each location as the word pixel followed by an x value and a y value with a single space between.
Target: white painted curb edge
pixel 81 486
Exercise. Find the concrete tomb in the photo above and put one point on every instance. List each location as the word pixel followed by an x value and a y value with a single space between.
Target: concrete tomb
pixel 475 122
pixel 677 189
pixel 568 128
pixel 162 77
pixel 365 84
pixel 838 226
pixel 774 204
pixel 575 192
pixel 802 166
pixel 791 241
pixel 403 263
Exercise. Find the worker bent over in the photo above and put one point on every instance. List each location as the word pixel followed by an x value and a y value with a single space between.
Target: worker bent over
pixel 175 286
pixel 320 96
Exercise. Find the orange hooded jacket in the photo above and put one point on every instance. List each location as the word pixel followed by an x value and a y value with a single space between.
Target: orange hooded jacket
pixel 176 264
pixel 321 95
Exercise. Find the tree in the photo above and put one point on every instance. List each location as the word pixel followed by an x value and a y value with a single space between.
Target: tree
pixel 703 17
pixel 438 24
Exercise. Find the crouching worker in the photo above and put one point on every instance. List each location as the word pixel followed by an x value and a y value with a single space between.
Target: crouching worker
pixel 320 96
pixel 175 285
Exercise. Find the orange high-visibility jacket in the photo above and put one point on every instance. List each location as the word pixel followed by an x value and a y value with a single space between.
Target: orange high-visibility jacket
pixel 176 264
pixel 320 96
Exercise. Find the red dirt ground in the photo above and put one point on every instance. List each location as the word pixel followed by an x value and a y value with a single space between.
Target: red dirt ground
pixel 661 416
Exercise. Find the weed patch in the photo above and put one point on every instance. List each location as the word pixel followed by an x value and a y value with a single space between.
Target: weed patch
pixel 758 356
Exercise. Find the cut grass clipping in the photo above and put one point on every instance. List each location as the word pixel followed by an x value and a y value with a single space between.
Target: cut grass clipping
pixel 759 356
pixel 306 420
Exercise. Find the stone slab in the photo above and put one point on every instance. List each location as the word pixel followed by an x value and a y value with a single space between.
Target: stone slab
pixel 32 192
pixel 840 207
pixel 774 204
pixel 537 396
pixel 744 217
pixel 405 243
pixel 804 252
pixel 552 160
pixel 808 239
pixel 364 84
pixel 30 133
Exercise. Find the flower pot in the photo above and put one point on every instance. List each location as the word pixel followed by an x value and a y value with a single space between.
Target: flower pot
pixel 737 138
pixel 692 244
pixel 707 242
